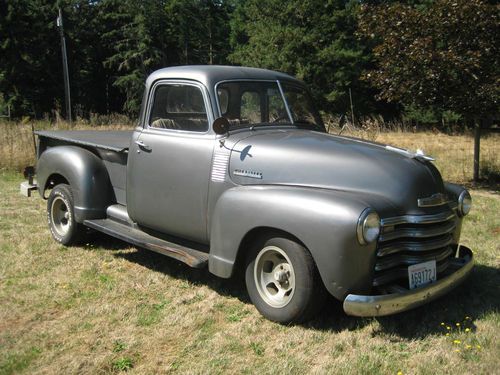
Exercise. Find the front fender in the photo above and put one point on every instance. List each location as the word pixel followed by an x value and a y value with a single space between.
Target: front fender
pixel 85 173
pixel 323 220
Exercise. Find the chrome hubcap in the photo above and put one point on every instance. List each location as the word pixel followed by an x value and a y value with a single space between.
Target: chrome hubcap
pixel 60 216
pixel 274 276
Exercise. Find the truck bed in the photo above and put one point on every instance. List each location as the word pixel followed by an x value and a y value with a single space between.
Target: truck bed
pixel 112 147
pixel 113 140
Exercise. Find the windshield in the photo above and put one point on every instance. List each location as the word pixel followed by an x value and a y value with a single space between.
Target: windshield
pixel 256 103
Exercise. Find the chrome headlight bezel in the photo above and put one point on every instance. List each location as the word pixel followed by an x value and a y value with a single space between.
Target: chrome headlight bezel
pixel 464 203
pixel 368 228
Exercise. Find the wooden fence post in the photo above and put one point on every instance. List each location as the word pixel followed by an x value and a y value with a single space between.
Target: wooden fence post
pixel 477 140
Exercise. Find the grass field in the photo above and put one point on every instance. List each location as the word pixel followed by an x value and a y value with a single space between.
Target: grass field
pixel 105 307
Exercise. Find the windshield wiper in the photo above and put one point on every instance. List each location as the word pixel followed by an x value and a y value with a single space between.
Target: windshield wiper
pixel 257 126
pixel 270 124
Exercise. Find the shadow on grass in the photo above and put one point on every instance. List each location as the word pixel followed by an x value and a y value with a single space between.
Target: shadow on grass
pixel 476 298
pixel 489 180
pixel 331 318
pixel 233 287
pixel 93 240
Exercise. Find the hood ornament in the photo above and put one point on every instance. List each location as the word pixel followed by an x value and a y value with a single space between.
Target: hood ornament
pixel 419 154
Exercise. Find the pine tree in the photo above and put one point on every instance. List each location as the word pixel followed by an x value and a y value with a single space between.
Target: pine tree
pixel 313 40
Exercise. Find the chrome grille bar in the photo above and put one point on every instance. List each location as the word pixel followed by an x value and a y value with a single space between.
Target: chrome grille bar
pixel 408 260
pixel 423 232
pixel 416 246
pixel 418 219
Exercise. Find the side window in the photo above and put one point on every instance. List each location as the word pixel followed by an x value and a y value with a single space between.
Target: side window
pixel 250 107
pixel 180 107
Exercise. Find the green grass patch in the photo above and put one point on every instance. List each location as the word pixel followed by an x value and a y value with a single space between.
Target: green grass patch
pixel 123 364
pixel 150 314
pixel 15 362
pixel 257 348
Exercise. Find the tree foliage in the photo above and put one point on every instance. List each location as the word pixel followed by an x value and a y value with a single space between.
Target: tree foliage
pixel 25 53
pixel 312 39
pixel 435 58
pixel 112 46
pixel 441 56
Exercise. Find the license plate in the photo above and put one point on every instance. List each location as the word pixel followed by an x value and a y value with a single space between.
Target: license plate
pixel 422 274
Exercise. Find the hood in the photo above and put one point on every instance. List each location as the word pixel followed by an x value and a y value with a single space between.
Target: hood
pixel 313 159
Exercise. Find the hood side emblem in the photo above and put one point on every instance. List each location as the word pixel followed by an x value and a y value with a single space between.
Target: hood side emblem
pixel 246 173
pixel 437 199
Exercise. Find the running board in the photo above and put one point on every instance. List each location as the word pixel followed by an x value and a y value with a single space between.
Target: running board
pixel 192 257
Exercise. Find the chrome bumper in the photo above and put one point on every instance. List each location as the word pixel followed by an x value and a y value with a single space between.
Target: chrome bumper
pixel 387 304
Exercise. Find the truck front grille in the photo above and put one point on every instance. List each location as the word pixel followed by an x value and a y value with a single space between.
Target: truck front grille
pixel 412 239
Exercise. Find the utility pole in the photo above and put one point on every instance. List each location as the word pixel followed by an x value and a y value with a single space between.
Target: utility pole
pixel 67 94
pixel 352 107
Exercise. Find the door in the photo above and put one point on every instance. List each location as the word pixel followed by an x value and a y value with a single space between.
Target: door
pixel 170 160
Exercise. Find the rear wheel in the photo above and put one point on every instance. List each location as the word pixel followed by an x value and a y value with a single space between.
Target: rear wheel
pixel 61 216
pixel 282 280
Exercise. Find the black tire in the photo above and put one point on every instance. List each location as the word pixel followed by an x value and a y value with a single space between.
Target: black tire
pixel 61 216
pixel 308 293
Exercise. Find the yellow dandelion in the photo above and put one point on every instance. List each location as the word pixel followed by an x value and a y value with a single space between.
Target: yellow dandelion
pixel 467 330
pixel 457 324
pixel 447 334
pixel 448 328
pixel 442 323
pixel 457 350
pixel 456 342
pixel 400 372
pixel 467 318
pixel 468 346
pixel 478 346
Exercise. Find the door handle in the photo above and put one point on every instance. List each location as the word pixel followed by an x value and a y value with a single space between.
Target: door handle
pixel 142 145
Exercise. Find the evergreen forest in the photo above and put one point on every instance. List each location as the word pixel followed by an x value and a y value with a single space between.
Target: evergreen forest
pixel 426 60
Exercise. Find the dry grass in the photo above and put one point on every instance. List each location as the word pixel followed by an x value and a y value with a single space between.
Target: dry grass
pixel 17 148
pixel 106 308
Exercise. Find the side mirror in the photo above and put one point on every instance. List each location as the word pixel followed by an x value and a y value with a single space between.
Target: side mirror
pixel 221 125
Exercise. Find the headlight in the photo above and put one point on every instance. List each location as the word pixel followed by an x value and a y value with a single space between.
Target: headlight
pixel 464 203
pixel 368 226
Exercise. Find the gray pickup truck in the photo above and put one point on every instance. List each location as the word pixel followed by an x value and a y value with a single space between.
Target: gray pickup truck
pixel 231 168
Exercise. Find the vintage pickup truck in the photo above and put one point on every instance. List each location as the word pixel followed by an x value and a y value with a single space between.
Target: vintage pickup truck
pixel 231 168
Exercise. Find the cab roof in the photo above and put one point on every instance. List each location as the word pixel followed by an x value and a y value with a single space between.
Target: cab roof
pixel 209 75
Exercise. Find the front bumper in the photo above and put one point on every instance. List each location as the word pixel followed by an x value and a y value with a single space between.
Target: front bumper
pixel 387 304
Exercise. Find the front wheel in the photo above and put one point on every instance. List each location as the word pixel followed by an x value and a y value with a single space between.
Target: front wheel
pixel 61 216
pixel 282 280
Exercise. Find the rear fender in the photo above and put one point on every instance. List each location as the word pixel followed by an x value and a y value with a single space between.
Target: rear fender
pixel 85 173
